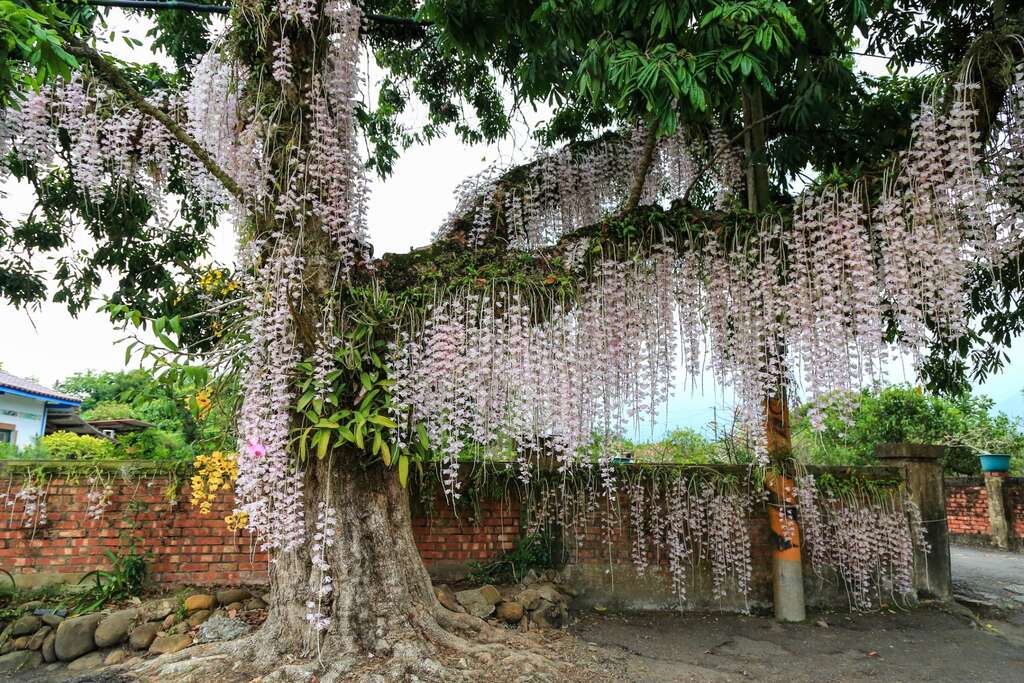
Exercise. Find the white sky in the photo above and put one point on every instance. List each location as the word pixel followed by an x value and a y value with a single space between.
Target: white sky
pixel 404 210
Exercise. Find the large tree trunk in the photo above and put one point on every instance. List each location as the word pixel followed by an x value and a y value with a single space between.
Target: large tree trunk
pixel 381 589
pixel 384 616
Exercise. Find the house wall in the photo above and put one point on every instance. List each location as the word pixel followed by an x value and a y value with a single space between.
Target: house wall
pixel 26 414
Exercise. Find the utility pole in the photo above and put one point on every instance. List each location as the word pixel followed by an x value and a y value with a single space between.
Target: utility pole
pixel 787 563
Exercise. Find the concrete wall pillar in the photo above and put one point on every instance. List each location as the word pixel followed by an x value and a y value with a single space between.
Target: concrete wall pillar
pixel 923 467
pixel 997 509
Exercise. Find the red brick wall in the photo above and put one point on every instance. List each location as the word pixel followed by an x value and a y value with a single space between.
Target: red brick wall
pixel 188 548
pixel 185 547
pixel 445 535
pixel 967 507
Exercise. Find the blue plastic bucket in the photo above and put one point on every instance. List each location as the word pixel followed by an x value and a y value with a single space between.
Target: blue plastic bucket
pixel 991 462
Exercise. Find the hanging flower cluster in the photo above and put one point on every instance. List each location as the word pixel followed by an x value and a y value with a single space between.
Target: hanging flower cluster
pixel 570 188
pixel 675 524
pixel 776 304
pixel 481 374
pixel 111 144
pixel 866 541
pixel 32 496
pixel 98 498
pixel 323 541
pixel 320 182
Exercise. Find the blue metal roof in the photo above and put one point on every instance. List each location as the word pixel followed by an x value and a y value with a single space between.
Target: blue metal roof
pixel 19 386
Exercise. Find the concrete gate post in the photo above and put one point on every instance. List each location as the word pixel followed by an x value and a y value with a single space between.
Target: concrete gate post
pixel 923 467
pixel 997 520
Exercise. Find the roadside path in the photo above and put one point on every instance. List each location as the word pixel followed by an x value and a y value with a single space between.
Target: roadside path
pixel 989 580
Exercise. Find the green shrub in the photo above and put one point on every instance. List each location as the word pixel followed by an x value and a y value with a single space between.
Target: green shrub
pixel 68 446
pixel 531 552
pixel 153 444
pixel 109 410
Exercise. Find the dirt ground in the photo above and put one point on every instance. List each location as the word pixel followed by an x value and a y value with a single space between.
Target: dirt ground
pixel 982 642
pixel 929 643
pixel 925 644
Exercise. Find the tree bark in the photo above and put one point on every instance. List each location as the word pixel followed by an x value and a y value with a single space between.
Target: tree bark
pixel 382 591
pixel 637 190
pixel 756 147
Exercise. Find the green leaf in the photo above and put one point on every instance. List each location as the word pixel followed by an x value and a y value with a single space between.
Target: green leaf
pixel 305 399
pixel 386 453
pixel 422 432
pixel 403 470
pixel 322 441
pixel 383 421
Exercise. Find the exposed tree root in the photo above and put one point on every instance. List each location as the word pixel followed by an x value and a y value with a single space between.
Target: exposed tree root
pixel 442 647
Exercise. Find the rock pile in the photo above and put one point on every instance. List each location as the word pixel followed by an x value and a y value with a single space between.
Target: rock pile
pixel 538 602
pixel 111 637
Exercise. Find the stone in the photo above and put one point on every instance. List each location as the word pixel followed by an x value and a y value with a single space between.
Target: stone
pixel 490 594
pixel 548 615
pixel 93 660
pixel 48 650
pixel 529 599
pixel 475 602
pixel 114 629
pixel 235 607
pixel 32 605
pixel 52 619
pixel 168 644
pixel 26 625
pixel 8 646
pixel 19 661
pixel 75 636
pixel 226 597
pixel 194 603
pixel 142 636
pixel 116 657
pixel 509 612
pixel 447 598
pixel 220 627
pixel 169 621
pixel 35 642
pixel 255 603
pixel 157 610
pixel 199 617
pixel 548 592
pixel 21 642
pixel 530 578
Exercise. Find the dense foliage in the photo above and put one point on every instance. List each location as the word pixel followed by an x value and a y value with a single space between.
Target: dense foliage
pixel 967 424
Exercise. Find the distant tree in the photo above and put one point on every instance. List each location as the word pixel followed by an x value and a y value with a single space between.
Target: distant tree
pixel 184 412
pixel 855 424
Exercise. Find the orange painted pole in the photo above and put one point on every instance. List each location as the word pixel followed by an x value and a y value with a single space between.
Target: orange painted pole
pixel 787 565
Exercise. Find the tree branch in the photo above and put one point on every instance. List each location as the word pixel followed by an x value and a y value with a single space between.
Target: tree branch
pixel 641 173
pixel 110 75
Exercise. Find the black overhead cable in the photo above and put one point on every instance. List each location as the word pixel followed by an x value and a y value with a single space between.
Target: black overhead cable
pixel 161 5
pixel 186 6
